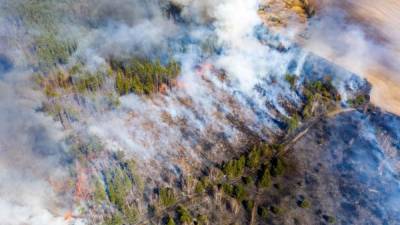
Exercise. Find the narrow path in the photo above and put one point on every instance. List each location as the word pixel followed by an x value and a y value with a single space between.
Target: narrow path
pixel 291 139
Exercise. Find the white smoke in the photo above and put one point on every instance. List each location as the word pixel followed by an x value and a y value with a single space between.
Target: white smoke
pixel 361 36
pixel 175 124
pixel 244 58
pixel 30 157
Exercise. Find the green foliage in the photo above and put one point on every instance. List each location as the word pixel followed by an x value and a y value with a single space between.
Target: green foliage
pixel 234 168
pixel 119 155
pixel 36 13
pixel 228 189
pixel 358 101
pixel 89 82
pixel 131 214
pixel 265 179
pixel 119 182
pixel 50 92
pixel 276 210
pixel 248 180
pixel 248 205
pixel 239 192
pixel 291 79
pixel 99 193
pixel 170 221
pixel 115 219
pixel 82 82
pixel 266 150
pixel 167 197
pixel 329 219
pixel 322 91
pixel 136 76
pixel 75 69
pixel 277 167
pixel 142 76
pixel 119 185
pixel 42 18
pixel 293 122
pixel 82 148
pixel 202 220
pixel 184 215
pixel 264 212
pixel 199 187
pixel 52 51
pixel 253 158
pixel 305 204
pixel 277 147
pixel 130 169
pixel 307 110
pixel 113 100
pixel 206 182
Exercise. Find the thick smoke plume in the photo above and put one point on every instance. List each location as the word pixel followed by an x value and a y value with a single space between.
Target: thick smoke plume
pixel 182 122
pixel 32 157
pixel 362 37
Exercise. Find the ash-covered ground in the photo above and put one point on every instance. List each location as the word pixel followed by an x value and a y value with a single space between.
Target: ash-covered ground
pixel 185 112
pixel 347 170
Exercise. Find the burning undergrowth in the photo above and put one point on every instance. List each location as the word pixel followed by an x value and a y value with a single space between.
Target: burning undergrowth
pixel 150 97
pixel 179 132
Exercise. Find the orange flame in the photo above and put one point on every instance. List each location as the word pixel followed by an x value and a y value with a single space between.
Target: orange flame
pixel 81 187
pixel 68 216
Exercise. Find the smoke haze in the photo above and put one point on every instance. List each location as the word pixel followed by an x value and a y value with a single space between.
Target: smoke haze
pixel 363 37
pixel 193 116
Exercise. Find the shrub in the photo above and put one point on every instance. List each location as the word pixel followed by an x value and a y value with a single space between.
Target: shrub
pixel 318 90
pixel 239 192
pixel 276 210
pixel 167 197
pixel 199 187
pixel 130 168
pixel 119 185
pixel 184 215
pixel 277 167
pixel 329 219
pixel 293 123
pixel 99 193
pixel 248 205
pixel 234 168
pixel 253 158
pixel 83 147
pixel 170 221
pixel 358 101
pixel 115 219
pixel 265 180
pixel 202 220
pixel 305 204
pixel 228 189
pixel 266 150
pixel 51 51
pixel 131 214
pixel 206 182
pixel 89 82
pixel 264 212
pixel 248 180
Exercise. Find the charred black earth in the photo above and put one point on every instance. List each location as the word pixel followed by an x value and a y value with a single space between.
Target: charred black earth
pixel 345 172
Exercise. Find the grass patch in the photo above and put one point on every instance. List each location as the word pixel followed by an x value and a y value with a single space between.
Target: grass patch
pixel 167 197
